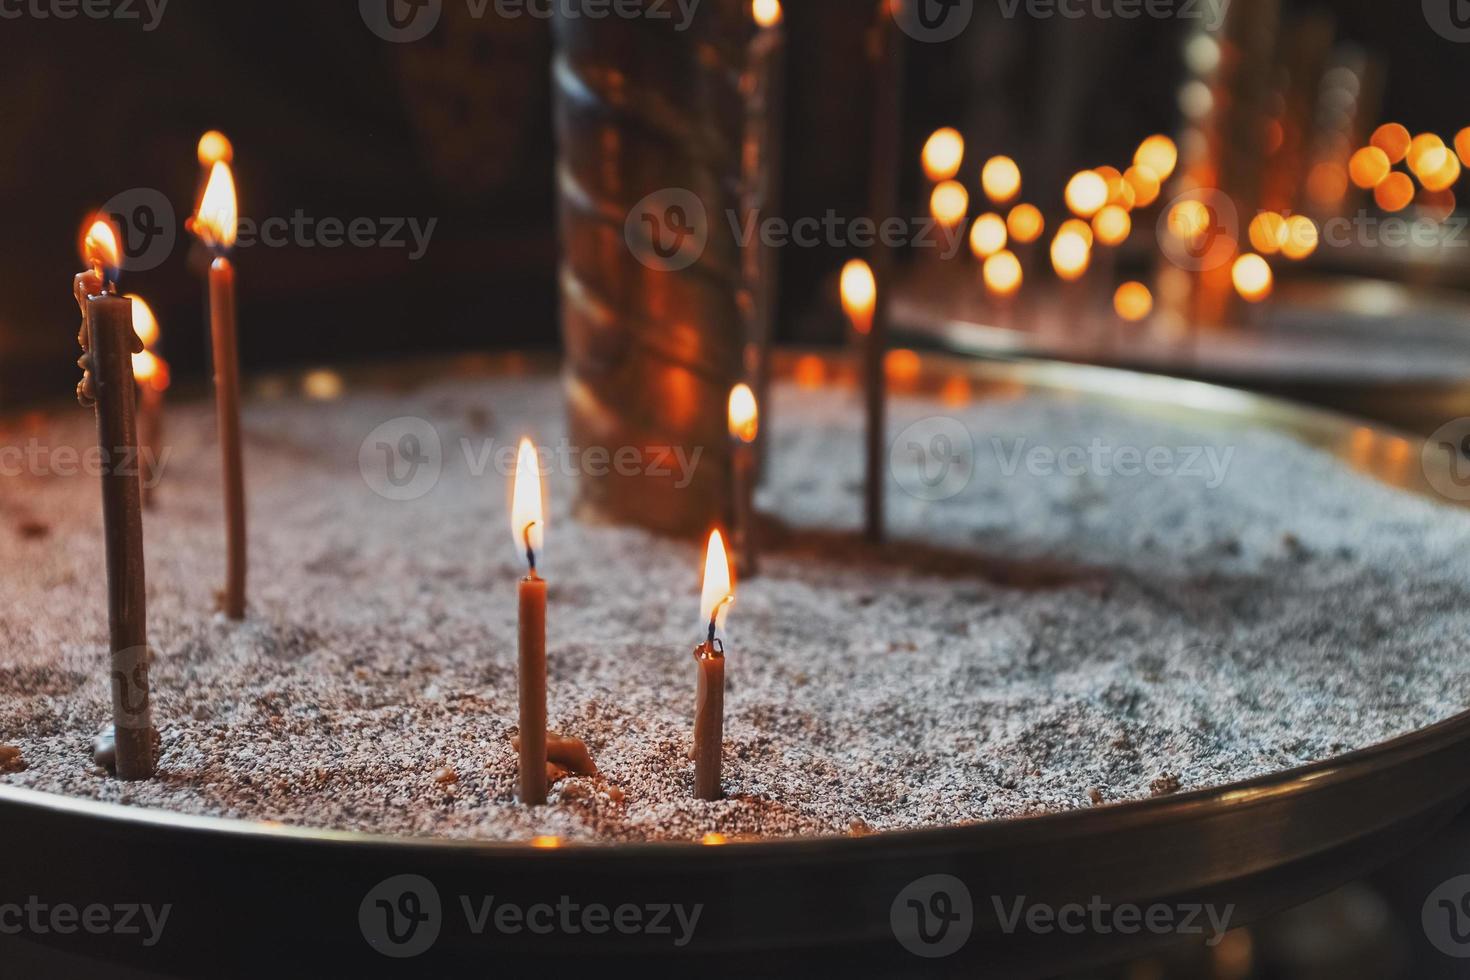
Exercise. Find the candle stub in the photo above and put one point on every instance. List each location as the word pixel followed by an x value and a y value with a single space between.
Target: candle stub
pixel 528 526
pixel 709 657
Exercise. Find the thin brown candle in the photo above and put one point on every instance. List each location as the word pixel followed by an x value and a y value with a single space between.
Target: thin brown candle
pixel 709 705
pixel 860 302
pixel 108 343
pixel 744 429
pixel 528 524
pixel 215 224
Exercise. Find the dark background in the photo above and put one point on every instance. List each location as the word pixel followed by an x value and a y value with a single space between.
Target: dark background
pixel 329 119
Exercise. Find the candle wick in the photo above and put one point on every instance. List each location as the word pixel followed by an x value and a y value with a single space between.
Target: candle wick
pixel 530 551
pixel 714 622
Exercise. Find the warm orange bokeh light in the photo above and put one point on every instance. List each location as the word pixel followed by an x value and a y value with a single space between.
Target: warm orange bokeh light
pixel 1393 139
pixel 987 235
pixel 859 294
pixel 1268 232
pixel 1441 170
pixel 1025 223
pixel 1395 193
pixel 1419 158
pixel 1133 302
pixel 215 147
pixel 145 324
pixel 1462 145
pixel 1000 178
pixel 99 246
pixel 1145 184
pixel 1252 277
pixel 546 843
pixel 150 370
pixel 713 839
pixel 718 592
pixel 949 203
pixel 1112 225
pixel 1159 154
pixel 902 366
pixel 218 218
pixel 810 371
pixel 1302 237
pixel 1002 274
pixel 1087 192
pixel 527 513
pixel 745 416
pixel 944 153
pixel 767 13
pixel 1436 205
pixel 1368 167
pixel 1070 255
pixel 1189 219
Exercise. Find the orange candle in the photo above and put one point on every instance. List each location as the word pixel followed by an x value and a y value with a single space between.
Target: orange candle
pixel 859 289
pixel 709 706
pixel 216 224
pixel 744 428
pixel 528 524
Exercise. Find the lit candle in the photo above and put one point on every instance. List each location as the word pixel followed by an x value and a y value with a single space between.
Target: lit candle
pixel 528 525
pixel 709 706
pixel 859 302
pixel 108 343
pixel 152 374
pixel 744 428
pixel 216 223
pixel 764 154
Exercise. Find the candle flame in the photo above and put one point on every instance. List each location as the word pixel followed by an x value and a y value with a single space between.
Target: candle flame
pixel 718 592
pixel 100 248
pixel 859 294
pixel 767 13
pixel 151 370
pixel 527 515
pixel 145 324
pixel 215 147
pixel 218 218
pixel 744 414
pixel 944 152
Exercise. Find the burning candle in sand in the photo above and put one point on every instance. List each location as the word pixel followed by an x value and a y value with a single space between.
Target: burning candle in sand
pixel 216 223
pixel 152 374
pixel 528 526
pixel 709 712
pixel 859 301
pixel 108 344
pixel 744 427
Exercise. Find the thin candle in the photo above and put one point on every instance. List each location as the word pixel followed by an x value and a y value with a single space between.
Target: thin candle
pixel 744 428
pixel 108 343
pixel 716 597
pixel 216 223
pixel 860 302
pixel 528 526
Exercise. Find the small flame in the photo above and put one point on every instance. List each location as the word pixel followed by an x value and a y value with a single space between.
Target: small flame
pixel 527 516
pixel 215 147
pixel 218 218
pixel 767 13
pixel 718 592
pixel 100 248
pixel 744 414
pixel 145 324
pixel 859 294
pixel 944 152
pixel 151 370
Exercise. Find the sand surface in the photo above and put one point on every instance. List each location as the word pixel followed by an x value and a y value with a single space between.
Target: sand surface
pixel 1043 638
